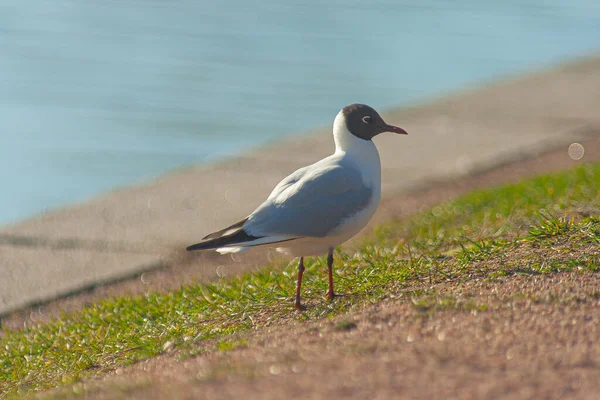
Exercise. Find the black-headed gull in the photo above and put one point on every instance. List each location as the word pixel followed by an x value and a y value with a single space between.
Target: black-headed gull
pixel 320 206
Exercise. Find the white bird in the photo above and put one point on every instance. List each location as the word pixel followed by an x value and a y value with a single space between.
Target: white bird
pixel 320 206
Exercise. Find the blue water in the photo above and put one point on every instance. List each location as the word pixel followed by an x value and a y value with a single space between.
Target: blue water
pixel 98 94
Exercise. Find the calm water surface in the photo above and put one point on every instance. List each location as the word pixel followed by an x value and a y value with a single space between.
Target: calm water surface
pixel 98 94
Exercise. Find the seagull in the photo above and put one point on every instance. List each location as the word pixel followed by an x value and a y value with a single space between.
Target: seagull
pixel 320 206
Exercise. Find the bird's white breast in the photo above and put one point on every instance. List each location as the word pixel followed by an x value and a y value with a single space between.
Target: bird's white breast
pixel 364 155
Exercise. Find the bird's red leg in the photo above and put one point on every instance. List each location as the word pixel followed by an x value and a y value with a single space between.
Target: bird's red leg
pixel 299 305
pixel 330 292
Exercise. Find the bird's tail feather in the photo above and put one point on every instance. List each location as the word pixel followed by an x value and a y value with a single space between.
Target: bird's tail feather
pixel 235 236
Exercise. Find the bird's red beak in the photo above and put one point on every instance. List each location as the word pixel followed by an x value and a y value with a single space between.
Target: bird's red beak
pixel 395 129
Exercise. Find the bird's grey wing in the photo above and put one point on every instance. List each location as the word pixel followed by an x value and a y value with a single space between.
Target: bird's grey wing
pixel 288 181
pixel 314 204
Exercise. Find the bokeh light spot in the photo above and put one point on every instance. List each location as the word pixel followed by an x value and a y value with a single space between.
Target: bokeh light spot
pixel 576 151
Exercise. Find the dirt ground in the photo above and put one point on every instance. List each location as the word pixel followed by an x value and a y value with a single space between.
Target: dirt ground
pixel 538 337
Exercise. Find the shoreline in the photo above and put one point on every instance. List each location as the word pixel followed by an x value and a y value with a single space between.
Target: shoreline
pixel 407 109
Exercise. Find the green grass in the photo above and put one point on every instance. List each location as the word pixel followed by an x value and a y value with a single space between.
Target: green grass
pixel 429 304
pixel 345 325
pixel 506 211
pixel 539 225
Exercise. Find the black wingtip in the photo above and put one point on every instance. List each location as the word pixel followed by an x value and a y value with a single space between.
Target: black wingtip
pixel 201 246
pixel 239 237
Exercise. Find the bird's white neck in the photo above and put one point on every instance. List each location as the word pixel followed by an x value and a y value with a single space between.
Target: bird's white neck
pixel 361 152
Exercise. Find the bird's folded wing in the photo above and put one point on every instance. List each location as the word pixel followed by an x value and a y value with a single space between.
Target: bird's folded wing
pixel 311 202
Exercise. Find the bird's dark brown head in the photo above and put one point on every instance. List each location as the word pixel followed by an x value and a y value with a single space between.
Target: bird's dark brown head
pixel 366 123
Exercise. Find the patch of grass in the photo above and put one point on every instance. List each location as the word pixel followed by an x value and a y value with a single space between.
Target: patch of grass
pixel 549 227
pixel 585 229
pixel 557 298
pixel 497 274
pixel 504 212
pixel 480 250
pixel 232 344
pixel 431 304
pixel 489 233
pixel 345 325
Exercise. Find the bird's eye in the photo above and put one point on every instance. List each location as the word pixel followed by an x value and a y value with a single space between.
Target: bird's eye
pixel 366 119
